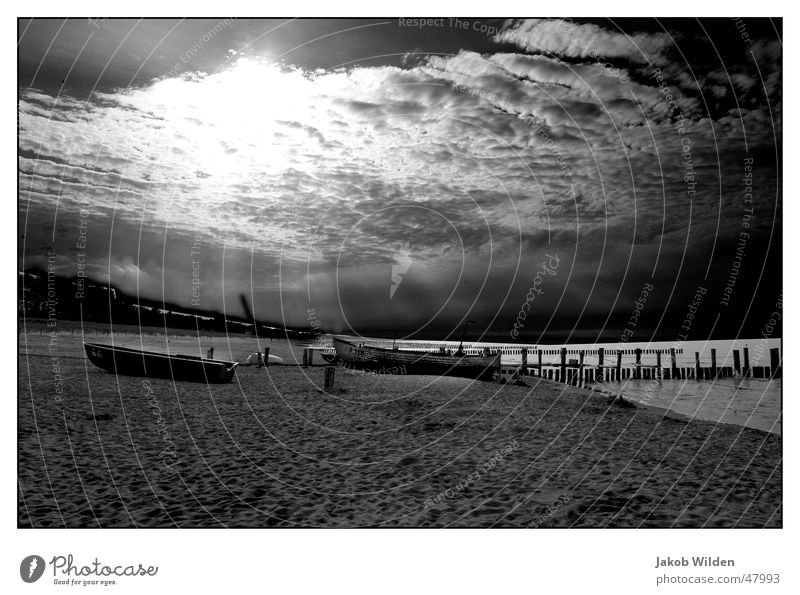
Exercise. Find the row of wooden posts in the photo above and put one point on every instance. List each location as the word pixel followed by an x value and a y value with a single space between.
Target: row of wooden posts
pixel 574 374
pixel 586 375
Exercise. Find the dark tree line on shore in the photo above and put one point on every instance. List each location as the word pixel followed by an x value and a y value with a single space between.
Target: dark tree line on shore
pixel 90 301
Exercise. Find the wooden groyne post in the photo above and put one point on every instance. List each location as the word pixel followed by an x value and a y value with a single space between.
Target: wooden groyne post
pixel 563 364
pixel 713 363
pixel 600 355
pixel 524 366
pixel 539 353
pixel 658 363
pixel 775 362
pixel 637 373
pixel 737 366
pixel 266 356
pixel 698 373
pixel 619 364
pixel 210 353
pixel 746 369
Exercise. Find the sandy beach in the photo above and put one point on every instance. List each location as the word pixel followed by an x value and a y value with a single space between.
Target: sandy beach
pixel 272 449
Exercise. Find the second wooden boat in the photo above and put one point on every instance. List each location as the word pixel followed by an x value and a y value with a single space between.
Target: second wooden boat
pixel 396 361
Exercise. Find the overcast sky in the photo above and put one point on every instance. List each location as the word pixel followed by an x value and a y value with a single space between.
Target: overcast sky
pixel 389 175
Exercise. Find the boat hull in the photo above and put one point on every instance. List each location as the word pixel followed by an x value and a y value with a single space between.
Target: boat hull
pixel 133 362
pixel 395 361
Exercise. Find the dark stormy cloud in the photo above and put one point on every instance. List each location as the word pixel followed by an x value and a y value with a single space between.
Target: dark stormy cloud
pixel 304 163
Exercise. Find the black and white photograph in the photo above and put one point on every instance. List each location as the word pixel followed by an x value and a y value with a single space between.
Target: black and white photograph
pixel 515 274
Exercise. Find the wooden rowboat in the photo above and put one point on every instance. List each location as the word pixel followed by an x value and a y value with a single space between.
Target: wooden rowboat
pixel 134 362
pixel 396 361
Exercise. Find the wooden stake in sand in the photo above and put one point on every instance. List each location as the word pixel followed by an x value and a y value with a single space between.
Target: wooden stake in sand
pixel 658 363
pixel 330 372
pixel 210 353
pixel 619 363
pixel 266 357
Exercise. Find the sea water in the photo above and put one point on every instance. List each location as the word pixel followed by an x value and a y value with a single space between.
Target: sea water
pixel 749 402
